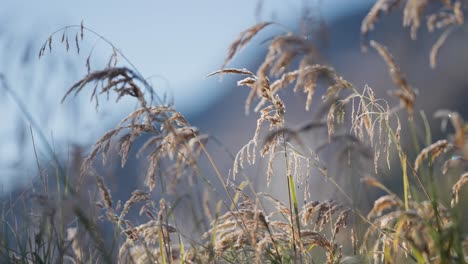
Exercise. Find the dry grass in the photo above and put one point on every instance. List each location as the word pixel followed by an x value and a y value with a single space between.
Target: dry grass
pixel 408 224
pixel 263 236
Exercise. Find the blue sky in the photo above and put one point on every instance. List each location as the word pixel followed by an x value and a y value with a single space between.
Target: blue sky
pixel 178 42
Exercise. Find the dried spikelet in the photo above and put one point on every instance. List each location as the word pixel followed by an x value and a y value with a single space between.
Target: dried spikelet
pixel 440 20
pixel 231 71
pixel 102 143
pixel 406 99
pixel 67 43
pixel 307 80
pixel 249 81
pixel 398 129
pixel 325 211
pixel 81 30
pixel 331 121
pixel 130 231
pixel 263 83
pixel 444 19
pixel 312 238
pixel 283 50
pixel 280 226
pixel 331 92
pixel 77 44
pixel 456 188
pixel 406 93
pixel 105 193
pixel 373 182
pixel 120 80
pixel 271 149
pixel 248 150
pixel 242 40
pixel 88 64
pixel 380 6
pixel 340 222
pixel 286 79
pixel 308 211
pixel 63 36
pixel 379 223
pixel 125 145
pixel 282 62
pixel 184 145
pixel 437 45
pixel 383 203
pixel 137 196
pixel 42 50
pixel 412 13
pixel 229 229
pixel 151 114
pixel 363 121
pixel 151 172
pixel 50 43
pixel 434 150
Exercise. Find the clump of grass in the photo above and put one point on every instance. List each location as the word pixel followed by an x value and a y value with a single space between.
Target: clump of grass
pixel 416 223
pixel 250 233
